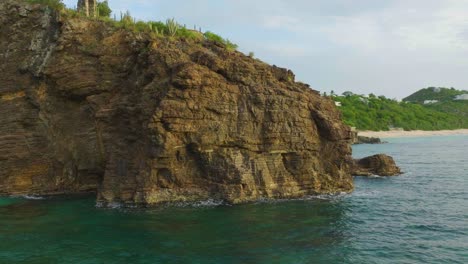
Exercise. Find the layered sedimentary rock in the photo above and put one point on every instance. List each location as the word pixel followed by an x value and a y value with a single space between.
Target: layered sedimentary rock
pixel 380 164
pixel 89 107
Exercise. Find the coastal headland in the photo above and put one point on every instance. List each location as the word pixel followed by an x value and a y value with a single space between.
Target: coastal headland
pixel 146 118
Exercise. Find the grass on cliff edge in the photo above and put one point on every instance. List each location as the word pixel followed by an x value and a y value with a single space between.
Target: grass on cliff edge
pixel 170 28
pixel 55 4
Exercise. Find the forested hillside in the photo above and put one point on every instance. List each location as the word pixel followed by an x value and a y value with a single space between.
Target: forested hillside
pixel 380 113
pixel 434 93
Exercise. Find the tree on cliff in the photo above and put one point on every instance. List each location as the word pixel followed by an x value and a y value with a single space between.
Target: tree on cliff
pixel 103 9
pixel 88 7
pixel 92 8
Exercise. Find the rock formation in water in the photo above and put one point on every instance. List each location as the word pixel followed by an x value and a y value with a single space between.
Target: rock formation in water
pixel 356 139
pixel 368 140
pixel 380 164
pixel 87 107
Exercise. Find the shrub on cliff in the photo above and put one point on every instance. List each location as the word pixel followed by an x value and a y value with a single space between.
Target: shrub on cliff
pixel 172 27
pixel 220 40
pixel 103 9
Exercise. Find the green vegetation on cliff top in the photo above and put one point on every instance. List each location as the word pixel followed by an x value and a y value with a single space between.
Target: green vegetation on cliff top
pixel 155 28
pixel 380 113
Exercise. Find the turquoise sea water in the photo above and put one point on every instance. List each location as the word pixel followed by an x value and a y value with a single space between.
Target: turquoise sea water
pixel 420 217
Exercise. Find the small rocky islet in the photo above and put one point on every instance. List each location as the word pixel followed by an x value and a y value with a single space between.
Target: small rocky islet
pixel 88 107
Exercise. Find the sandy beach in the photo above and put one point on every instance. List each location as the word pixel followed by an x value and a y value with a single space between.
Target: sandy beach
pixel 413 133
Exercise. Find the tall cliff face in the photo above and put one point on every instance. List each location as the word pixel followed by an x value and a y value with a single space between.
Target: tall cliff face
pixel 85 106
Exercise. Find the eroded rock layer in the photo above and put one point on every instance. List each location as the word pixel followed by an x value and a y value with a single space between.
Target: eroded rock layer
pixel 85 106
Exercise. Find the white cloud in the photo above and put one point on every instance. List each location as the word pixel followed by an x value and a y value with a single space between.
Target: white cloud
pixel 288 51
pixel 281 22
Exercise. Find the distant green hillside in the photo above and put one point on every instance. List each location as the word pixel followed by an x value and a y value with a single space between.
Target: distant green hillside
pixel 459 108
pixel 434 93
pixel 380 113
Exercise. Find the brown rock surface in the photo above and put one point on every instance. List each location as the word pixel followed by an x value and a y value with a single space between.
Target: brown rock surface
pixel 85 107
pixel 380 164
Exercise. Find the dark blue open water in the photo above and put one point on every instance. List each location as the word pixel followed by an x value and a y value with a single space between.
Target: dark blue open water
pixel 420 217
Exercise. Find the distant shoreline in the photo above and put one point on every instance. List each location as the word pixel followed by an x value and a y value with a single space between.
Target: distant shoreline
pixel 412 133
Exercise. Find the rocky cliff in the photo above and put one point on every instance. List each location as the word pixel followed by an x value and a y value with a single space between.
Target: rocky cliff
pixel 89 107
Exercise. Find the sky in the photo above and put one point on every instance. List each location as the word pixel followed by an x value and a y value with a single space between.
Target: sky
pixel 385 47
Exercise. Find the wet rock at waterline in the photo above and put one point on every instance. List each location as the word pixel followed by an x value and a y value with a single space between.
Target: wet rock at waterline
pixel 381 165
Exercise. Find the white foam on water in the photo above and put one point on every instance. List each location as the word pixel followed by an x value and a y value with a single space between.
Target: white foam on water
pixel 199 204
pixel 196 204
pixel 305 198
pixel 32 197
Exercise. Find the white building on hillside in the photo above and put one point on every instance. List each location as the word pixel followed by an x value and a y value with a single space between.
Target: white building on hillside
pixel 462 97
pixel 364 100
pixel 430 101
